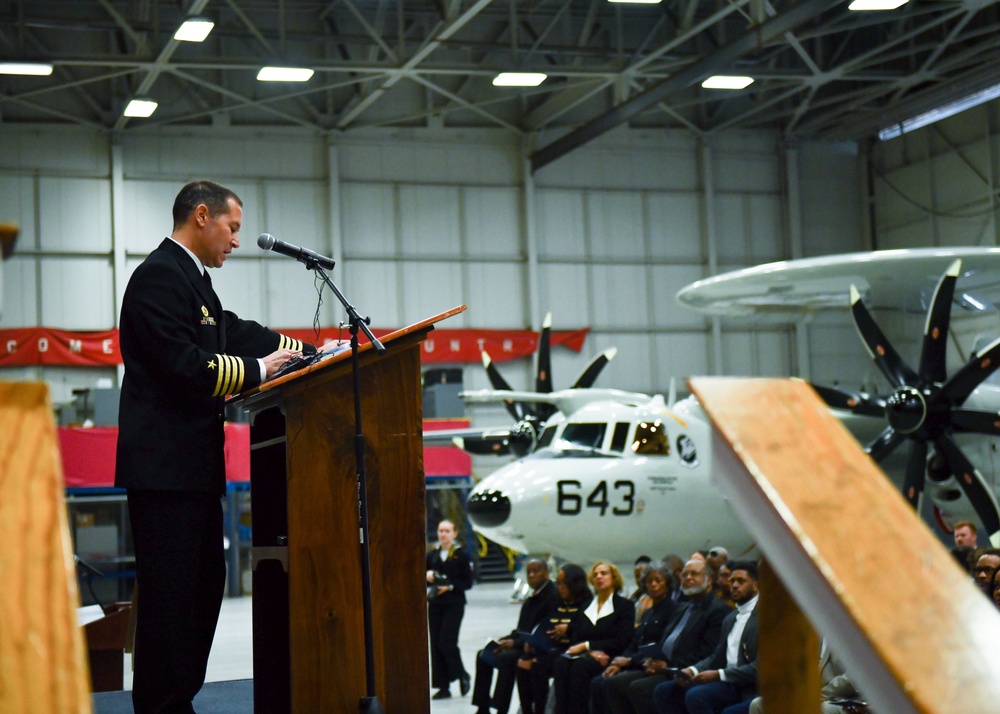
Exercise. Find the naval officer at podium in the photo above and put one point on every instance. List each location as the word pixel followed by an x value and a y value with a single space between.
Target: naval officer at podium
pixel 183 355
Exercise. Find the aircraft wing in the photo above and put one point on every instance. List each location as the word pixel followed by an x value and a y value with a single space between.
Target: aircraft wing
pixel 791 290
pixel 475 441
pixel 566 401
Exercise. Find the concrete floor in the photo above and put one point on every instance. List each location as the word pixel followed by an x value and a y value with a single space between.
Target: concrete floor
pixel 489 614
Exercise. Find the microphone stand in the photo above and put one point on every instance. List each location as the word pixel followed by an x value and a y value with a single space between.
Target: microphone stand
pixel 369 703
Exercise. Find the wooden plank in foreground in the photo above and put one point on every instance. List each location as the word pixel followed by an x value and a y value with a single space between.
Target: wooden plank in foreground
pixel 43 667
pixel 914 632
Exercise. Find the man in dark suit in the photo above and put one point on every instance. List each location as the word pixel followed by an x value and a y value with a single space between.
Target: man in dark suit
pixel 729 674
pixel 183 355
pixel 692 633
pixel 510 648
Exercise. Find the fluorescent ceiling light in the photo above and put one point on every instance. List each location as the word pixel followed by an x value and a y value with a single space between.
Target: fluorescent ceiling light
pixel 519 79
pixel 194 29
pixel 721 81
pixel 939 113
pixel 637 2
pixel 35 69
pixel 140 108
pixel 284 74
pixel 863 5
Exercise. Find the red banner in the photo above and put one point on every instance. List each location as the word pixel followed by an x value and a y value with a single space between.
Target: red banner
pixel 88 455
pixel 31 346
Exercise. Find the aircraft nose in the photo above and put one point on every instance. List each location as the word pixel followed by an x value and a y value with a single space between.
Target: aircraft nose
pixel 488 509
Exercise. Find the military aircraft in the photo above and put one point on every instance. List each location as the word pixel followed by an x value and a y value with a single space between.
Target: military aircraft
pixel 944 418
pixel 600 472
pixel 613 474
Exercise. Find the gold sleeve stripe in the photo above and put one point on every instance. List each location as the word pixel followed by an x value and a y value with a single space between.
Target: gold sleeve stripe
pixel 231 375
pixel 288 343
pixel 220 361
pixel 238 384
pixel 227 383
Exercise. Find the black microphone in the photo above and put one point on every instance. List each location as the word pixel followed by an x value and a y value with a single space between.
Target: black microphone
pixel 269 242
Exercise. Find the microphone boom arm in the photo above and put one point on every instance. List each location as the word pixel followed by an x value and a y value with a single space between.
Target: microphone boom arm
pixel 352 313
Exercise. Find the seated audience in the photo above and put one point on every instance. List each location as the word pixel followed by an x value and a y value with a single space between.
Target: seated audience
pixel 729 675
pixel 986 566
pixel 639 597
pixel 836 687
pixel 535 667
pixel 965 535
pixel 656 583
pixel 601 634
pixel 509 648
pixel 638 570
pixel 690 635
pixel 717 557
pixel 722 584
pixel 676 565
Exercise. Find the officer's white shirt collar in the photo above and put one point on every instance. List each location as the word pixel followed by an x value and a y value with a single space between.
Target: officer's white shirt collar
pixel 201 268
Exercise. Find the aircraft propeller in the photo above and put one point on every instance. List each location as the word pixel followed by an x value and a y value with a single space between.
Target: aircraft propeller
pixel 523 436
pixel 926 405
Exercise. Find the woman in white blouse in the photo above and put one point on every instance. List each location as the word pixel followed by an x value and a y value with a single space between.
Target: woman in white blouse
pixel 599 636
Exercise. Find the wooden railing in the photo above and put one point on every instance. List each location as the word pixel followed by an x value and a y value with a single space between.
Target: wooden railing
pixel 913 631
pixel 43 668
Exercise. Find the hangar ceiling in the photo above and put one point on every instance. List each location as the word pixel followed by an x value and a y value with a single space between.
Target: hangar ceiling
pixel 820 70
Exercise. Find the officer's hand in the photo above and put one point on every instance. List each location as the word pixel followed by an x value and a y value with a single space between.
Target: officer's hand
pixel 276 360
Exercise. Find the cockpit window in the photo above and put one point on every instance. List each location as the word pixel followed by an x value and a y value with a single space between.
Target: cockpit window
pixel 546 437
pixel 651 439
pixel 619 437
pixel 584 435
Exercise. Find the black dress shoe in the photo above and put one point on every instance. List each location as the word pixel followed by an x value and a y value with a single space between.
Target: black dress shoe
pixel 464 684
pixel 442 694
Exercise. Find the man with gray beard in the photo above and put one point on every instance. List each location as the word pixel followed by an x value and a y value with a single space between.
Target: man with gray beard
pixel 690 635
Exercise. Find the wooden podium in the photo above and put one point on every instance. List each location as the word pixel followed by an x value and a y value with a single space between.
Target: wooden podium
pixel 308 628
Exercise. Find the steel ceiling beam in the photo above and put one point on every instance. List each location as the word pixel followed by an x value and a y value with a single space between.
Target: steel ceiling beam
pixel 697 71
pixel 160 65
pixel 413 62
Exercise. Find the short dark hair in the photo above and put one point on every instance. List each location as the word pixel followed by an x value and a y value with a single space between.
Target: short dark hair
pixel 746 565
pixel 643 559
pixel 213 195
pixel 576 582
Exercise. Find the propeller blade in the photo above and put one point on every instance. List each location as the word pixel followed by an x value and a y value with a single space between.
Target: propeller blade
pixel 960 386
pixel 932 355
pixel 543 378
pixel 589 375
pixel 971 481
pixel 976 421
pixel 518 410
pixel 854 402
pixel 916 467
pixel 887 359
pixel 884 444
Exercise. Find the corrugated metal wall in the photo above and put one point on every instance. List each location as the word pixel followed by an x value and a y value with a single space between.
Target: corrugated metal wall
pixel 420 221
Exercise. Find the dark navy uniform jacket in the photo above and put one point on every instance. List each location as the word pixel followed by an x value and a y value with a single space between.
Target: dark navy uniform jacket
pixel 183 355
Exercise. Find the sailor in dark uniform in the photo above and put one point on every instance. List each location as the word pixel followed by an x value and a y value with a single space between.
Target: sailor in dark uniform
pixel 183 355
pixel 449 575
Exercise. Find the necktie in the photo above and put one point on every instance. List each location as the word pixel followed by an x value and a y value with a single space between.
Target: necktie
pixel 668 644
